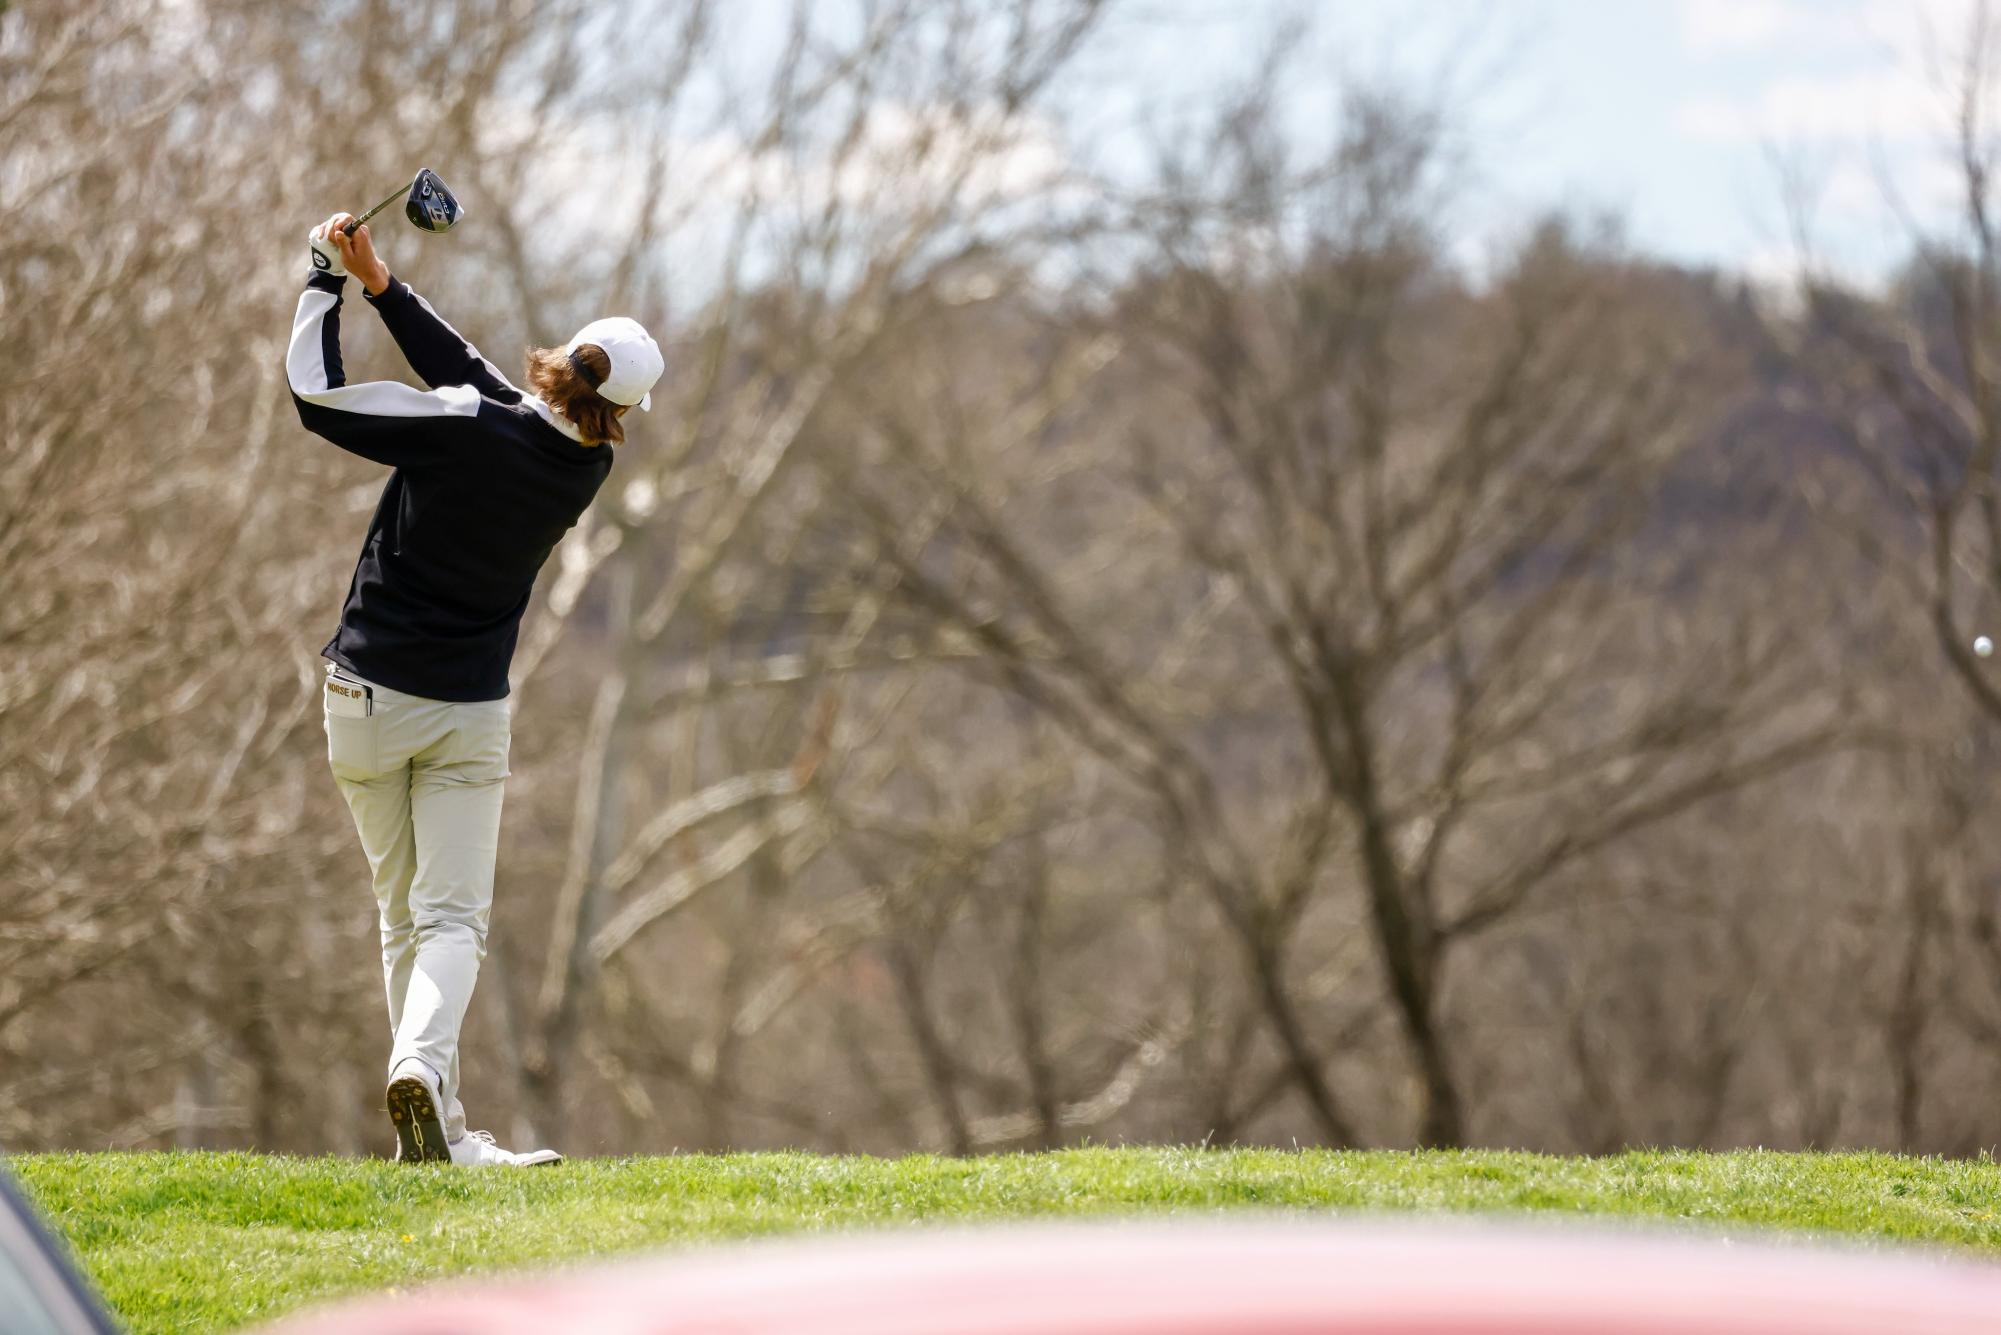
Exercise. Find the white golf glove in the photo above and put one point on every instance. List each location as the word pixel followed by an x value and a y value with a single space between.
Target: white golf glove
pixel 326 258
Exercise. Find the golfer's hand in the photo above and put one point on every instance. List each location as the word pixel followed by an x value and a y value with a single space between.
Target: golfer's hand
pixel 357 252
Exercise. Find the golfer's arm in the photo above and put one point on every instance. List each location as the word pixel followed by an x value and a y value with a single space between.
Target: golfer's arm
pixel 381 420
pixel 438 353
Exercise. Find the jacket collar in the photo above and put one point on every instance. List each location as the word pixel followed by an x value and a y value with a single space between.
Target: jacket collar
pixel 556 419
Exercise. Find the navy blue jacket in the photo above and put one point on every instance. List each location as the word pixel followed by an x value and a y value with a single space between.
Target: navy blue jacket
pixel 487 479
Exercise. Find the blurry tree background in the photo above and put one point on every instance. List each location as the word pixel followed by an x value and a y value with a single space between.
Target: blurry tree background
pixel 1165 654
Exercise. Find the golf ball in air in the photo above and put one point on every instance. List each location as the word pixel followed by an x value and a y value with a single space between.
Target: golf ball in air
pixel 1983 646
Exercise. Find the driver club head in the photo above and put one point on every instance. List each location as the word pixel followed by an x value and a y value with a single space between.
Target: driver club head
pixel 431 205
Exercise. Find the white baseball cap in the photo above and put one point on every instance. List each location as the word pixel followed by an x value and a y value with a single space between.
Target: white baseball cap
pixel 636 363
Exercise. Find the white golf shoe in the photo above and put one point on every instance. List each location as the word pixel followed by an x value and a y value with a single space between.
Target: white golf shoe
pixel 414 1102
pixel 478 1147
pixel 414 1110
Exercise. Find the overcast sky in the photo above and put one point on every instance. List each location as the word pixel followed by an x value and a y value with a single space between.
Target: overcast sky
pixel 1669 112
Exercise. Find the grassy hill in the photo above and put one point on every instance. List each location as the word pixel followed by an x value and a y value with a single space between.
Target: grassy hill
pixel 200 1242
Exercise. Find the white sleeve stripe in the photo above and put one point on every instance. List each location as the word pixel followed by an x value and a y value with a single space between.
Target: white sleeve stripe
pixel 491 369
pixel 306 369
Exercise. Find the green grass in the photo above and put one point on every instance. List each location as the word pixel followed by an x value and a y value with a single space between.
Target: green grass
pixel 196 1242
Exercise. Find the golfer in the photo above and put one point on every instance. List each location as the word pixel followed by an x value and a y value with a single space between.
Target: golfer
pixel 487 478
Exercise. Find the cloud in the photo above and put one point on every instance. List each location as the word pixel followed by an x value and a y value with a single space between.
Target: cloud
pixel 978 156
pixel 981 156
pixel 1735 26
pixel 1828 71
pixel 1823 27
pixel 1880 104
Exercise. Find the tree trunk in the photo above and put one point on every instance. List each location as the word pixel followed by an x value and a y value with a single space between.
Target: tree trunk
pixel 596 840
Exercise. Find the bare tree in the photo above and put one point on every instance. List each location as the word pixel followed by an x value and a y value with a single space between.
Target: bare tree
pixel 1172 658
pixel 852 177
pixel 1426 506
pixel 152 706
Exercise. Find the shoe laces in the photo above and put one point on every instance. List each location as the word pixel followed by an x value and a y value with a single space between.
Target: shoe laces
pixel 486 1136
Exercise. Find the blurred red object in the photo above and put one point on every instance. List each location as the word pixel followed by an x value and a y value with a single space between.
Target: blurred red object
pixel 1247 1278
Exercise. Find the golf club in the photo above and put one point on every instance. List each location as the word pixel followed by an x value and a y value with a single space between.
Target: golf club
pixel 429 204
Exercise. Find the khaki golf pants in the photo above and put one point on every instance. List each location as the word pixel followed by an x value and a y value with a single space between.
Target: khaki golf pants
pixel 424 779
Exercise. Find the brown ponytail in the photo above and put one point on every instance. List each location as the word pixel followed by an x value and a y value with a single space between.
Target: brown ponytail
pixel 556 382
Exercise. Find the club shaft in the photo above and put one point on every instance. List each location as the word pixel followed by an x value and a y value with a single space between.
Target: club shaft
pixel 393 197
